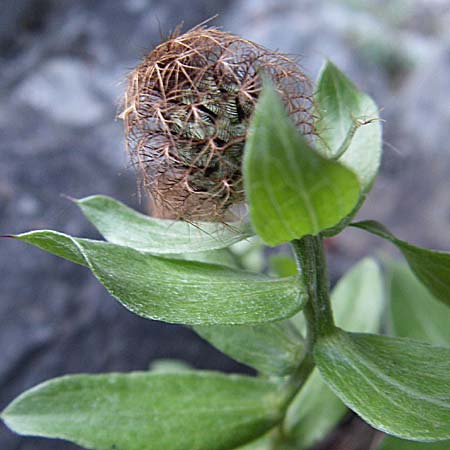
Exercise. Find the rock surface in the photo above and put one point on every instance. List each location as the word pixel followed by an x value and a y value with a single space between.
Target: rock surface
pixel 62 67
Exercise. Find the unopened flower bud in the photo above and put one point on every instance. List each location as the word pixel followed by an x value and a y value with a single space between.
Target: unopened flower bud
pixel 187 110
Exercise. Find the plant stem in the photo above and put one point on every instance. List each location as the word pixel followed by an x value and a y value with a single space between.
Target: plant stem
pixel 311 261
pixel 312 264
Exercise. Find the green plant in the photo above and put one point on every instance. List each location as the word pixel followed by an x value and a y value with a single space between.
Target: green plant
pixel 316 353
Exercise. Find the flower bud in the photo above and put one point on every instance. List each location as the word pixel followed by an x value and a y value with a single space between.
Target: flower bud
pixel 187 109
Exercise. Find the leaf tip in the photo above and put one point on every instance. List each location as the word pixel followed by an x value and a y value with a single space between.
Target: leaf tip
pixel 6 417
pixel 68 197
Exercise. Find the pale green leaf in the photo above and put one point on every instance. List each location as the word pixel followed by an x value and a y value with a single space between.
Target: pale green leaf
pixel 282 265
pixel 149 411
pixel 221 256
pixel 414 312
pixel 122 225
pixel 397 385
pixel 349 130
pixel 348 125
pixel 358 299
pixel 292 190
pixel 273 349
pixel 431 267
pixel 169 366
pixel 392 443
pixel 358 303
pixel 266 442
pixel 250 254
pixel 177 291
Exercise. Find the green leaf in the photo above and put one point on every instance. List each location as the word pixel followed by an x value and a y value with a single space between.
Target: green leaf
pixel 392 443
pixel 54 242
pixel 358 303
pixel 177 291
pixel 282 265
pixel 358 298
pixel 314 412
pixel 273 349
pixel 291 189
pixel 221 256
pixel 349 130
pixel 414 312
pixel 249 254
pixel 348 125
pixel 147 411
pixel 169 366
pixel 430 266
pixel 122 225
pixel 266 442
pixel 397 385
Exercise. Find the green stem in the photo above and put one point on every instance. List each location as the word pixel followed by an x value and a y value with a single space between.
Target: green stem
pixel 312 264
pixel 311 261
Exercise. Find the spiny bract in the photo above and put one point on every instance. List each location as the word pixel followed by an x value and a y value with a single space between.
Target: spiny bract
pixel 187 110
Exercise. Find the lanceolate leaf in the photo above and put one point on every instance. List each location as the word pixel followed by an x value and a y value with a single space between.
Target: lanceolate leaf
pixel 273 349
pixel 358 303
pixel 291 189
pixel 349 130
pixel 149 411
pixel 314 412
pixel 177 291
pixel 122 225
pixel 430 266
pixel 397 385
pixel 358 298
pixel 414 312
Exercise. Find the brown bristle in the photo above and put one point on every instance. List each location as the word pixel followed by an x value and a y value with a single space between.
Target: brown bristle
pixel 187 110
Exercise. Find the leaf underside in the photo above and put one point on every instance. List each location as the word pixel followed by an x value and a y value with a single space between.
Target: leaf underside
pixel 148 411
pixel 122 225
pixel 397 385
pixel 177 291
pixel 431 267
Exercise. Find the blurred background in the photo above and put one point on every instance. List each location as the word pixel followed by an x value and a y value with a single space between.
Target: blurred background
pixel 62 70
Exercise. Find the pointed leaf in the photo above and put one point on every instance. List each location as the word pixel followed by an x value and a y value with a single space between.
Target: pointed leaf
pixel 348 125
pixel 147 411
pixel 273 349
pixel 54 242
pixel 349 129
pixel 358 303
pixel 122 225
pixel 397 385
pixel 177 291
pixel 414 312
pixel 291 189
pixel 431 267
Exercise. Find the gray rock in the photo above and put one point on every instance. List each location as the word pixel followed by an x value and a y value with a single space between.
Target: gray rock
pixel 67 91
pixel 59 93
pixel 388 51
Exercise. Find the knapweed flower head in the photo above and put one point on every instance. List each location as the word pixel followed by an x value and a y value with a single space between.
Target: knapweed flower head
pixel 187 110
